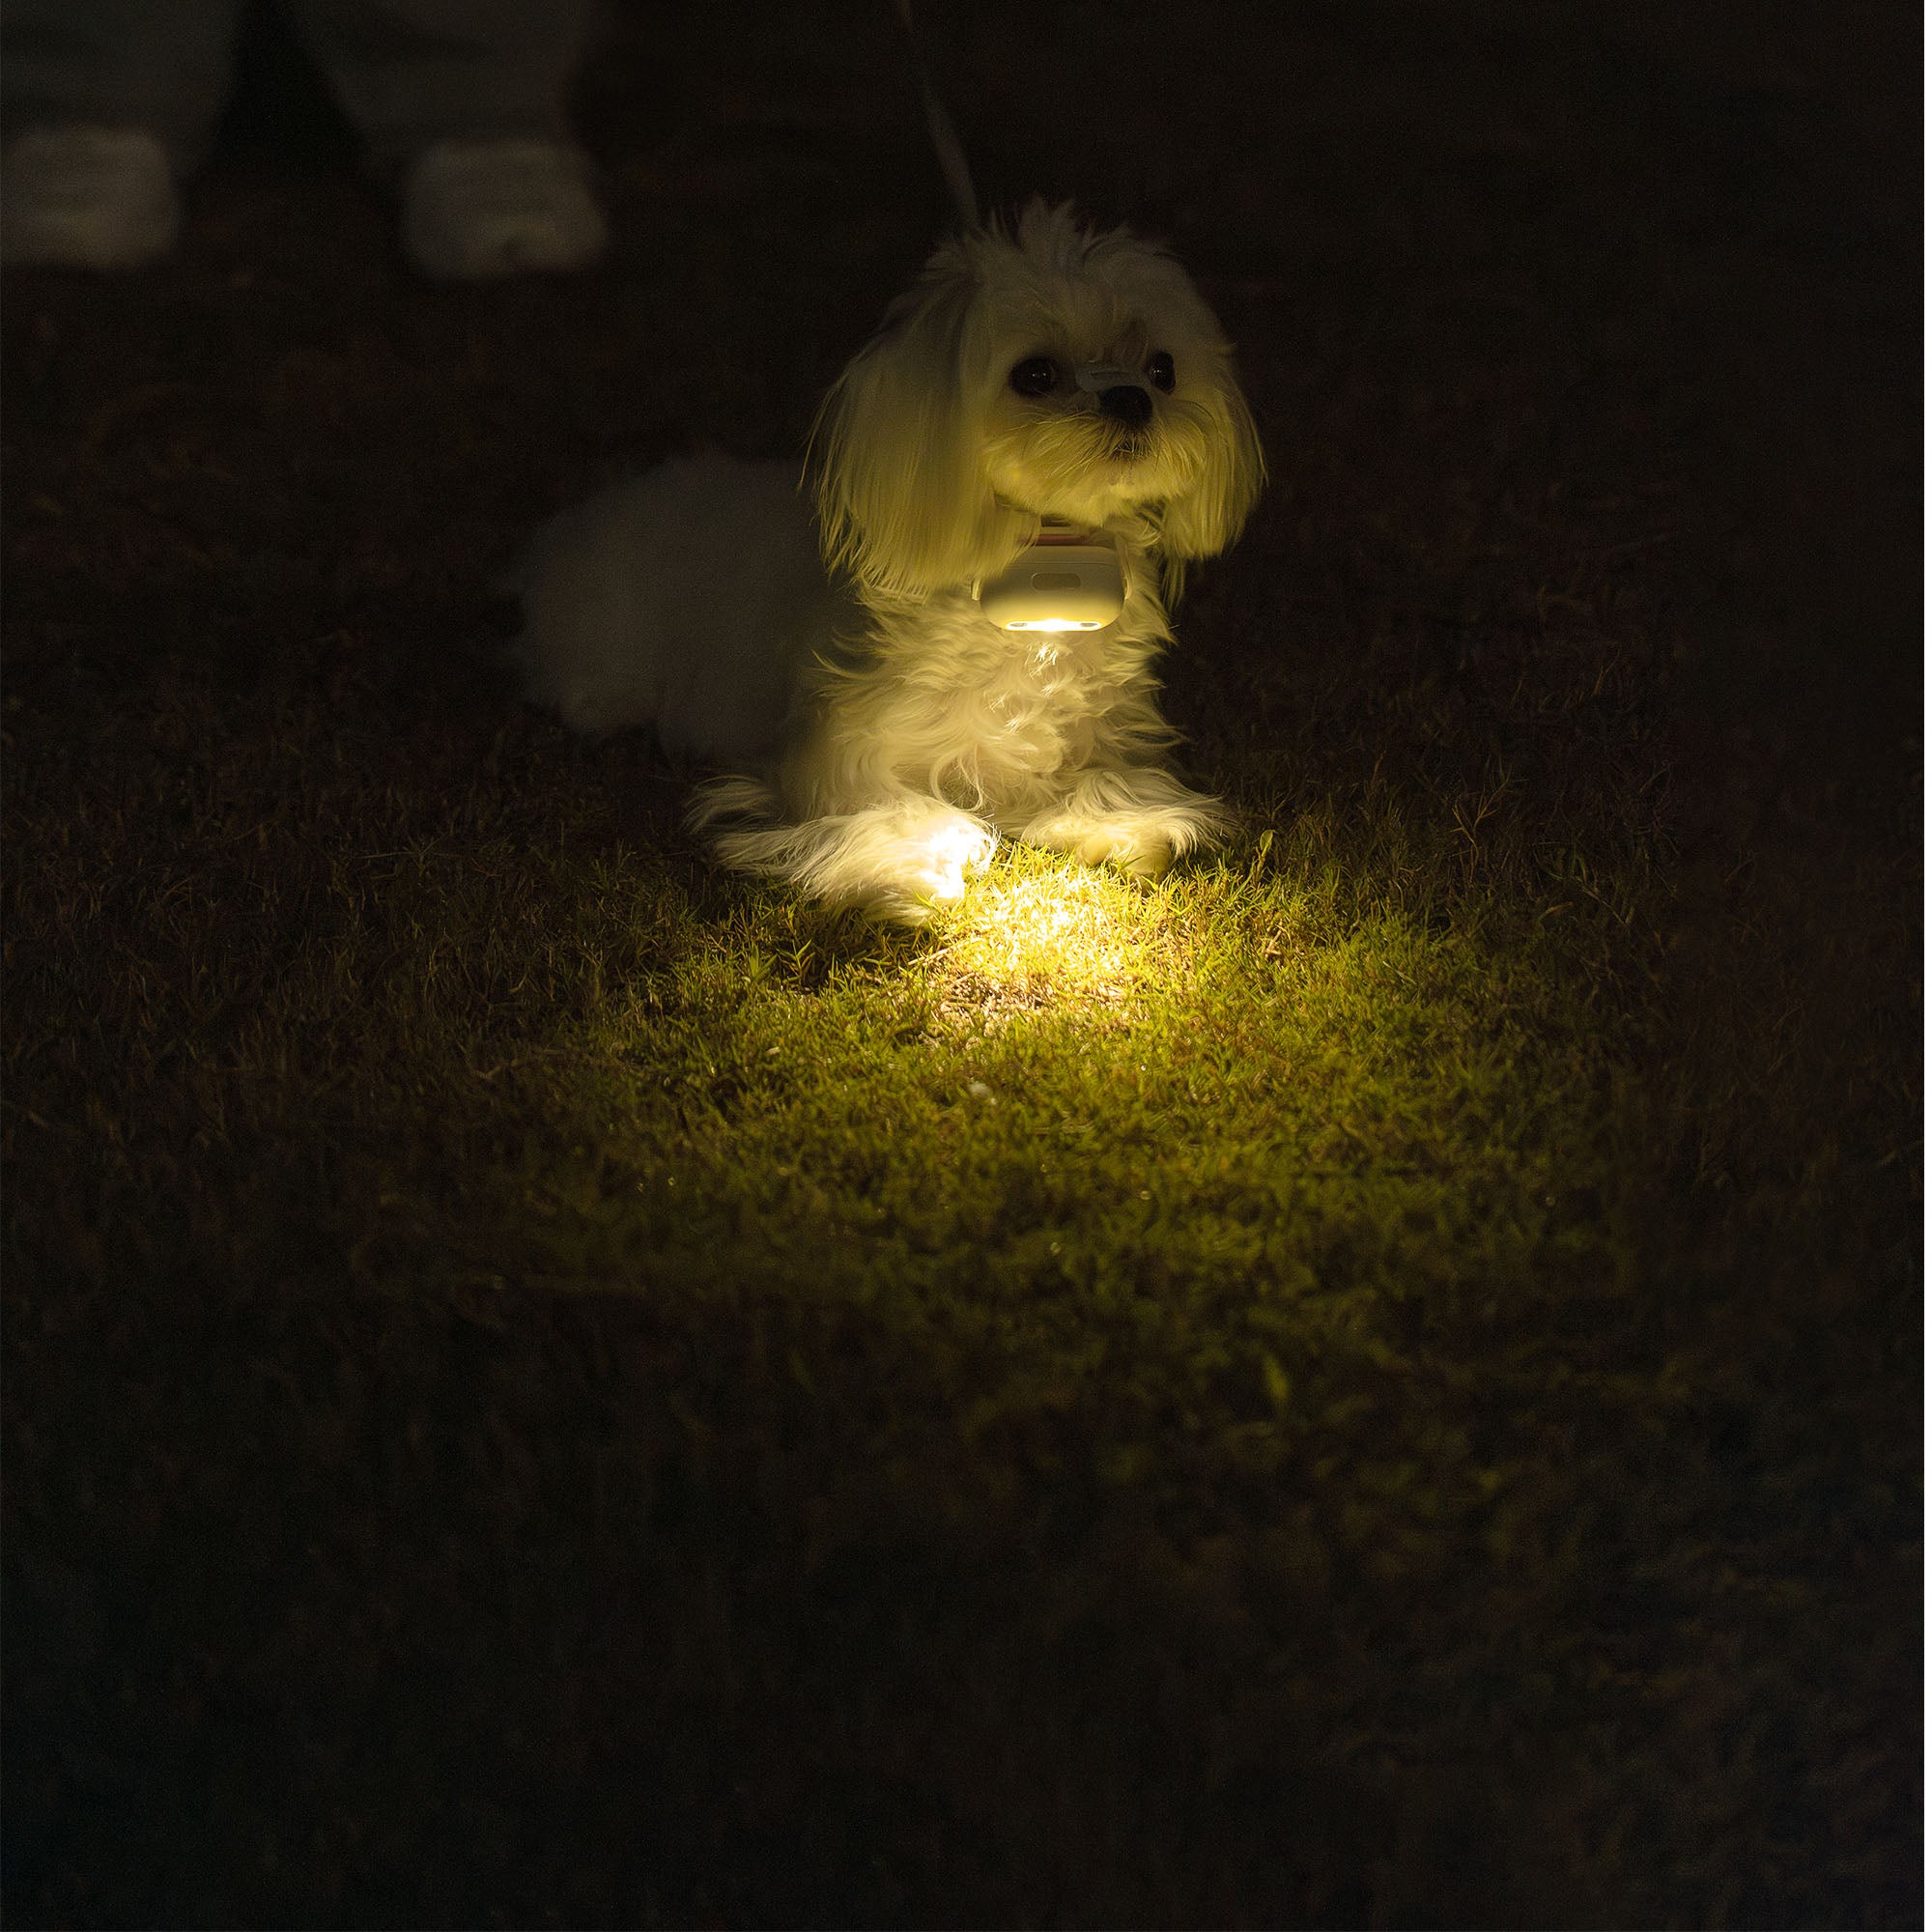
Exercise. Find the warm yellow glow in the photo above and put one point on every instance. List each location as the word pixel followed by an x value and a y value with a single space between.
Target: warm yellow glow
pixel 954 849
pixel 1054 624
pixel 1038 930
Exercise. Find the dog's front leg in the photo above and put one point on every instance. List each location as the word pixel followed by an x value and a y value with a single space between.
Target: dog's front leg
pixel 1138 817
pixel 900 857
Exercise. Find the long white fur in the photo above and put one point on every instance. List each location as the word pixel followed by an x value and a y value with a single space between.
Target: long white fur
pixel 887 734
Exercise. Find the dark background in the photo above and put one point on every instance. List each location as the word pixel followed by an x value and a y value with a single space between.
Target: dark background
pixel 1517 258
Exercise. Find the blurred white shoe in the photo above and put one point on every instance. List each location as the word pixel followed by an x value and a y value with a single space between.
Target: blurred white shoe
pixel 476 209
pixel 84 197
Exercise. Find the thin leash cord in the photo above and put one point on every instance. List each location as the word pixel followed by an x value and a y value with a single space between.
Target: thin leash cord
pixel 939 123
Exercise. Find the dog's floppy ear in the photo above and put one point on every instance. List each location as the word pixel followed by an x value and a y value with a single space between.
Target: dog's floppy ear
pixel 1208 517
pixel 903 499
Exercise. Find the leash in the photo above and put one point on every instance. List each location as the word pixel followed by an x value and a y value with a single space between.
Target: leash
pixel 939 123
pixel 1062 579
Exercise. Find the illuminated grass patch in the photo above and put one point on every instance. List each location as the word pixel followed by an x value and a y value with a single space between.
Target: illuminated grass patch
pixel 1300 1243
pixel 1036 930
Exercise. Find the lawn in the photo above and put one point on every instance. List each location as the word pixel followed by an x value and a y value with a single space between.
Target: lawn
pixel 1373 1381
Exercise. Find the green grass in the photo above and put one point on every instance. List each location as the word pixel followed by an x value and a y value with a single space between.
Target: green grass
pixel 1325 1388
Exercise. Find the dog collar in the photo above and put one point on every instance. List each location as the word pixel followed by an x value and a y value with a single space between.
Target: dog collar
pixel 1068 579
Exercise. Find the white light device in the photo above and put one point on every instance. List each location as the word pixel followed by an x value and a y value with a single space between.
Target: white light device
pixel 1063 580
pixel 1059 583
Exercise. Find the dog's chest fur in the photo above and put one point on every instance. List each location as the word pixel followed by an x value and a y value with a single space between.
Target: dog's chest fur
pixel 983 718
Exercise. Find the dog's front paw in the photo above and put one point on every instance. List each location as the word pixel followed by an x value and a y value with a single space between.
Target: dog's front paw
pixel 930 866
pixel 1143 844
pixel 1135 849
pixel 901 860
pixel 1139 820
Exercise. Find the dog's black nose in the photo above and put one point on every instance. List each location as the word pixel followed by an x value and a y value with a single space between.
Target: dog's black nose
pixel 1126 403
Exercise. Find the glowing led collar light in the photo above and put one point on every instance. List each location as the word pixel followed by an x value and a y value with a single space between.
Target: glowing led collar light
pixel 1061 583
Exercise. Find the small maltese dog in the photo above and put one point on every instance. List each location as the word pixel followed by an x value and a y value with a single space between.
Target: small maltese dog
pixel 1047 380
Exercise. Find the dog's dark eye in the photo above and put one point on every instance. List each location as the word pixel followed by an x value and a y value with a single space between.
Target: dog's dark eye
pixel 1035 375
pixel 1160 371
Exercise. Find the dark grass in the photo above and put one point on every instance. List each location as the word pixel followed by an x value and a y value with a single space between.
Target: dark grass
pixel 1376 1382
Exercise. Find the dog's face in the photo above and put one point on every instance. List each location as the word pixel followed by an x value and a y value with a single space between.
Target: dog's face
pixel 1054 374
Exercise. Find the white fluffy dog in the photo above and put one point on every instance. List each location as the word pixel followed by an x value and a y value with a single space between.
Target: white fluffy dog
pixel 892 733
